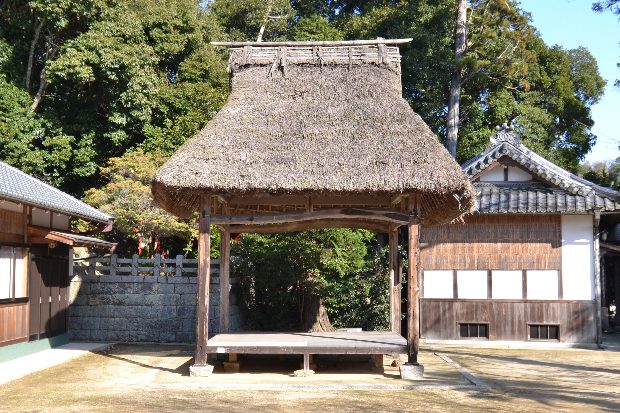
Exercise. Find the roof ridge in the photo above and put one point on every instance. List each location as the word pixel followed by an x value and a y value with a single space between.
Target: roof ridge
pixel 506 142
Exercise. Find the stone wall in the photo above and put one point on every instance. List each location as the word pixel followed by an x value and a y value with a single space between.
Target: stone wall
pixel 130 308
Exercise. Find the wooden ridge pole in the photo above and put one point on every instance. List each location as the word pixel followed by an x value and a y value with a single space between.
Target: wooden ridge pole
pixel 204 273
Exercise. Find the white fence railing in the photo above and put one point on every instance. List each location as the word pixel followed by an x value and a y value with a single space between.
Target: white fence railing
pixel 156 266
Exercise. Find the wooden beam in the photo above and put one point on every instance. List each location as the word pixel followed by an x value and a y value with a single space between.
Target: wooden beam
pixel 391 217
pixel 313 43
pixel 204 273
pixel 375 226
pixel 395 286
pixel 36 232
pixel 344 200
pixel 224 279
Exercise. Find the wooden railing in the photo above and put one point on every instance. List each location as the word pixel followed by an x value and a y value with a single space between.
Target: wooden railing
pixel 156 266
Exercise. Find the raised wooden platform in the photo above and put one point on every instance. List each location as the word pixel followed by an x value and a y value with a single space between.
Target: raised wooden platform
pixel 365 342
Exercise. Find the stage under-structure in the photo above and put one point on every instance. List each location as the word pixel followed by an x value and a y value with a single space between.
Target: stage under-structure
pixel 307 344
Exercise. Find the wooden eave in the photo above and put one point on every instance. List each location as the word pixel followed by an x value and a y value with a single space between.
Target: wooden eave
pixel 40 235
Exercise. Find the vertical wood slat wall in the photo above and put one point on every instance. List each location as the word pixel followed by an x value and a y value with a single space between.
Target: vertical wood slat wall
pixel 492 242
pixel 13 323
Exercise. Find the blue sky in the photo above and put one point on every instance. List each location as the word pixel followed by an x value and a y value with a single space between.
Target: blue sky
pixel 572 23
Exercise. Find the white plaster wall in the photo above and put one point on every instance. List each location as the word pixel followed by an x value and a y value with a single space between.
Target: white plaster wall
pixel 516 174
pixel 493 175
pixel 472 284
pixel 11 206
pixel 542 284
pixel 61 221
pixel 40 217
pixel 438 284
pixel 577 257
pixel 506 285
pixel 5 272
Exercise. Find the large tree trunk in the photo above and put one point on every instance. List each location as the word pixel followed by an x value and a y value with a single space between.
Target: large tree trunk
pixel 33 45
pixel 452 124
pixel 314 315
pixel 265 21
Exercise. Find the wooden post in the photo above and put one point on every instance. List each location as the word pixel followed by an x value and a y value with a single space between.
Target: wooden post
pixel 178 266
pixel 204 273
pixel 597 278
pixel 395 286
pixel 413 293
pixel 224 279
pixel 134 264
pixel 113 264
pixel 413 290
pixel 156 265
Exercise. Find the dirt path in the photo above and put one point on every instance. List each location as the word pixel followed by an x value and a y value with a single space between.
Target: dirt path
pixel 154 378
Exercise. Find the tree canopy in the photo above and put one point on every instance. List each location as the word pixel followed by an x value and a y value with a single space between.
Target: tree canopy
pixel 83 82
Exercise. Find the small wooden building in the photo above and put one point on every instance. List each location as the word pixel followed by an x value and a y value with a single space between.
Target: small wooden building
pixel 525 266
pixel 35 257
pixel 314 135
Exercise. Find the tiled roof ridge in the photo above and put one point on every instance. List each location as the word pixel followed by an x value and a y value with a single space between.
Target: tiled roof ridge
pixel 507 143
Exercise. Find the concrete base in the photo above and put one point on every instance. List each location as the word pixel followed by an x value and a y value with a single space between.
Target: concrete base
pixel 231 367
pixel 412 371
pixel 201 371
pixel 303 373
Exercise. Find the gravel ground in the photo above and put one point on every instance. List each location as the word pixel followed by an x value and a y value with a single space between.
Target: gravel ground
pixel 145 378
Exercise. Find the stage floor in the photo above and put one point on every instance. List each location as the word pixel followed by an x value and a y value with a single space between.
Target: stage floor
pixel 339 342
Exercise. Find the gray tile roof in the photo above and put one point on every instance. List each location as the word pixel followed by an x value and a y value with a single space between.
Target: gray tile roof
pixel 559 192
pixel 20 187
pixel 510 197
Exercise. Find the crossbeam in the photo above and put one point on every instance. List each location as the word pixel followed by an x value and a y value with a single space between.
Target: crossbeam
pixel 376 226
pixel 391 217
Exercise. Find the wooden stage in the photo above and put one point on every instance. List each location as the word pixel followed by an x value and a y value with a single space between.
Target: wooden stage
pixel 339 342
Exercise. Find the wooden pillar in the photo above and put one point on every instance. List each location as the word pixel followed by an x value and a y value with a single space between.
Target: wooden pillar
pixel 204 274
pixel 395 286
pixel 225 279
pixel 617 286
pixel 597 278
pixel 413 292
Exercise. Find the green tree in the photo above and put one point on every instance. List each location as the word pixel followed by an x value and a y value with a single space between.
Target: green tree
pixel 127 196
pixel 286 279
pixel 108 76
pixel 509 73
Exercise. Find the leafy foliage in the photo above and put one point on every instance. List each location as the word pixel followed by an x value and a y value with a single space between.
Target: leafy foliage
pixel 602 173
pixel 127 196
pixel 277 272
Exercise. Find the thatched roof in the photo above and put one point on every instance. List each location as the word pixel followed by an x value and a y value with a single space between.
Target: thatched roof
pixel 315 120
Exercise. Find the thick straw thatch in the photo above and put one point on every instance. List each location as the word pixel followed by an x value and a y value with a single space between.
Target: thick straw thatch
pixel 315 120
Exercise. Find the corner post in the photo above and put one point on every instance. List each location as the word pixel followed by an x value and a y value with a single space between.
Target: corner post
pixel 224 279
pixel 200 367
pixel 597 277
pixel 412 369
pixel 395 286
